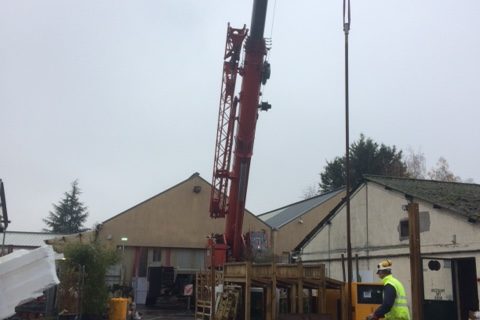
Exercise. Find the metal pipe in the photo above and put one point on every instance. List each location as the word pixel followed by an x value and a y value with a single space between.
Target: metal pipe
pixel 3 242
pixel 357 273
pixel 257 25
pixel 346 29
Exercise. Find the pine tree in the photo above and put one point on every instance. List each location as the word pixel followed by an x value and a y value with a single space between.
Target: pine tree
pixel 69 214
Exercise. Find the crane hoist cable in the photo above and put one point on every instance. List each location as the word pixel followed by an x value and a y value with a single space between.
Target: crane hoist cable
pixel 273 18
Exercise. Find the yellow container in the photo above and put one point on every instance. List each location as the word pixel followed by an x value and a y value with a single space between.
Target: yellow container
pixel 118 309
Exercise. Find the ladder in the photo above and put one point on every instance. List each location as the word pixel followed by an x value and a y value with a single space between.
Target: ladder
pixel 203 294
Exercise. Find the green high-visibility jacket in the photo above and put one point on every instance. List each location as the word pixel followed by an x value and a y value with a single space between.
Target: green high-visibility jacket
pixel 399 309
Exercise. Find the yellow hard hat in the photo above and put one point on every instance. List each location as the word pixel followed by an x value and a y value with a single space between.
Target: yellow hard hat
pixel 384 265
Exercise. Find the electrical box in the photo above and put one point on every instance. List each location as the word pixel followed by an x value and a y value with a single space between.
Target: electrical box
pixel 366 297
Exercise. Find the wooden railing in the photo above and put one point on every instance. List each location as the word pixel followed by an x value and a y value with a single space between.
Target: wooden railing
pixel 314 272
pixel 266 270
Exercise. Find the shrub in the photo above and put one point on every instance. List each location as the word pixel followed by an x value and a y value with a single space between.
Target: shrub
pixel 91 262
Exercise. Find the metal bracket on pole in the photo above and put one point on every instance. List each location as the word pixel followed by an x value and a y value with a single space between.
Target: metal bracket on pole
pixel 346 16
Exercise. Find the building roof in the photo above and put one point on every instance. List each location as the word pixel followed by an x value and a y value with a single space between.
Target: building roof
pixel 282 216
pixel 27 239
pixel 193 176
pixel 461 198
pixel 196 174
pixel 317 228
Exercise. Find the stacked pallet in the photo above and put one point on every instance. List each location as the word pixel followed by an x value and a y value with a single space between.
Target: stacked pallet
pixel 203 293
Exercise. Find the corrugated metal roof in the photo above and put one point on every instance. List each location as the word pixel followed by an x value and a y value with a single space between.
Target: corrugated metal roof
pixel 27 239
pixel 280 217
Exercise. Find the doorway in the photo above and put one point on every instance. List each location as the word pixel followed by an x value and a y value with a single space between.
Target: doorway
pixel 466 280
pixel 450 288
pixel 160 280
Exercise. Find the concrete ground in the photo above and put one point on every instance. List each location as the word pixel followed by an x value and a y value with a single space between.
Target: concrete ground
pixel 158 314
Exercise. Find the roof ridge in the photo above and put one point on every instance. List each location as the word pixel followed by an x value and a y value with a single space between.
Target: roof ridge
pixel 35 232
pixel 442 192
pixel 367 176
pixel 194 175
pixel 300 201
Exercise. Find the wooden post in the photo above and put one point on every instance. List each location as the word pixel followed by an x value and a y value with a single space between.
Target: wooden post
pixel 300 288
pixel 274 291
pixel 309 301
pixel 269 302
pixel 321 297
pixel 213 282
pixel 343 293
pixel 293 299
pixel 416 266
pixel 248 294
pixel 322 293
pixel 273 302
pixel 300 297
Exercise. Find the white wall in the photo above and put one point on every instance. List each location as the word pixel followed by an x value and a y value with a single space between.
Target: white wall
pixel 375 217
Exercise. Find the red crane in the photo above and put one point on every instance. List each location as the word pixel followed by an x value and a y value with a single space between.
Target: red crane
pixel 237 125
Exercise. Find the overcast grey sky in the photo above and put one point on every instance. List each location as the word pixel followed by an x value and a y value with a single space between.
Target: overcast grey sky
pixel 123 95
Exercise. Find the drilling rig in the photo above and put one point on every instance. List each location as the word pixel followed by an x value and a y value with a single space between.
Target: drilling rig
pixel 246 289
pixel 237 121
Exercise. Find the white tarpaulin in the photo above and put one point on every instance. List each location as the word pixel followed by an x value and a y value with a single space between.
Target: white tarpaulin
pixel 24 275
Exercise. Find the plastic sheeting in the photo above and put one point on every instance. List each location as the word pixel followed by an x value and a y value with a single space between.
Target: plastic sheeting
pixel 24 275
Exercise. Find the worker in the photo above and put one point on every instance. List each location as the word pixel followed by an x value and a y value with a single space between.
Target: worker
pixel 394 306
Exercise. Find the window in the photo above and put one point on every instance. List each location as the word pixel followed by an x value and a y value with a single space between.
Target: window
pixel 157 254
pixel 403 229
pixel 424 225
pixel 142 266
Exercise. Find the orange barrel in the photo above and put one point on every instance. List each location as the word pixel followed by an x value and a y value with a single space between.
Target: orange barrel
pixel 118 309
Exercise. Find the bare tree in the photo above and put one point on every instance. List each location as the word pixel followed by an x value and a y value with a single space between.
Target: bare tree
pixel 416 164
pixel 310 191
pixel 442 172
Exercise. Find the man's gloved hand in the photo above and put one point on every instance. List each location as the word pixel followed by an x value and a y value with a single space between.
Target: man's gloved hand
pixel 371 317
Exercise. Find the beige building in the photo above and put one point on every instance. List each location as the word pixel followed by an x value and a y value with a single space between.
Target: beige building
pixel 450 239
pixel 169 232
pixel 164 238
pixel 166 235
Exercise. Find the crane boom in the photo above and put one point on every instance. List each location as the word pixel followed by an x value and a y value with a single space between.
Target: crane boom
pixel 226 123
pixel 255 71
